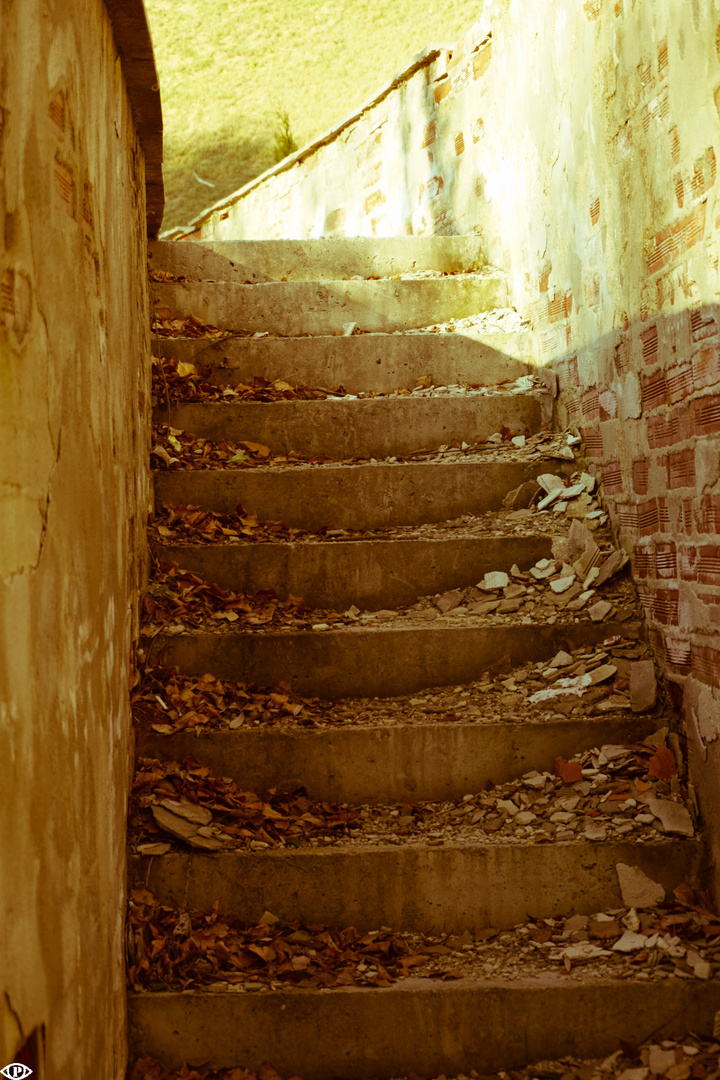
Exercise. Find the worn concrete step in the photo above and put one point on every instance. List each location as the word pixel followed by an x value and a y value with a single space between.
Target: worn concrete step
pixel 396 763
pixel 362 496
pixel 432 889
pixel 416 1026
pixel 367 427
pixel 298 307
pixel 373 574
pixel 316 260
pixel 359 662
pixel 382 362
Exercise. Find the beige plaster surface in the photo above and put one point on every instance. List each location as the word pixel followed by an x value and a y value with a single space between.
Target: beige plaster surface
pixel 74 393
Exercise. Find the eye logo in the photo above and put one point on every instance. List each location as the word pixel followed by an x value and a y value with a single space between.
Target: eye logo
pixel 16 1072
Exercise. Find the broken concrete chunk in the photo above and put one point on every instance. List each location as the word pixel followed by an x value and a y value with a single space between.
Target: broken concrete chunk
pixel 674 817
pixel 512 592
pixel 448 601
pixel 573 491
pixel 495 579
pixel 550 498
pixel 637 889
pixel 172 823
pixel 204 843
pixel 550 482
pixel 610 567
pixel 659 1060
pixel 600 674
pixel 599 610
pixel 521 497
pixel 643 686
pixel 561 659
pixel 507 606
pixel 562 584
pixel 630 942
pixel 518 440
pixel 198 815
pixel 585 950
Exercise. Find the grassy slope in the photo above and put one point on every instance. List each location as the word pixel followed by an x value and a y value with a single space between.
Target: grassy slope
pixel 225 65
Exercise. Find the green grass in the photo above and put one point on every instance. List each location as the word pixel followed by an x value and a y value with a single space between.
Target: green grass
pixel 228 67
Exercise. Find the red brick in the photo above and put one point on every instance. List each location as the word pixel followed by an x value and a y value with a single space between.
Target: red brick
pixel 708 566
pixel 674 144
pixel 595 211
pixel 459 144
pixel 481 60
pixel 649 340
pixel 678 655
pixel 687 563
pixel 680 382
pixel 704 173
pixel 702 325
pixel 665 560
pixel 663 60
pixel 442 90
pixel 608 405
pixel 706 367
pixel 681 469
pixel 706 413
pixel 640 476
pixel 430 134
pixel 709 514
pixel 705 664
pixel 654 391
pixel 612 478
pixel 644 560
pixel 670 243
pixel 591 405
pixel 593 442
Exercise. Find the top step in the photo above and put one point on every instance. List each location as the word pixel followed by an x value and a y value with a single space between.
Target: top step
pixel 255 261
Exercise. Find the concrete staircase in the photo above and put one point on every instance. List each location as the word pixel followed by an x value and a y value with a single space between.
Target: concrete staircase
pixel 420 677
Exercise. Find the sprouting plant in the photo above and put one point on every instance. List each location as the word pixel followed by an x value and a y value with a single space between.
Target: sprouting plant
pixel 284 139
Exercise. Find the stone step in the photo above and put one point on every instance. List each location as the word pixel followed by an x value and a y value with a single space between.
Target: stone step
pixel 358 496
pixel 297 307
pixel 367 427
pixel 382 362
pixel 417 1026
pixel 359 662
pixel 399 762
pixel 316 260
pixel 372 574
pixel 449 888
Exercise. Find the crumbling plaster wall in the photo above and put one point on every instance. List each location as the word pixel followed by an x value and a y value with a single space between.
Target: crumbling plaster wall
pixel 74 494
pixel 580 141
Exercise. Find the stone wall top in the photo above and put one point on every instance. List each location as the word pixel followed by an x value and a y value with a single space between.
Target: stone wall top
pixel 134 46
pixel 421 60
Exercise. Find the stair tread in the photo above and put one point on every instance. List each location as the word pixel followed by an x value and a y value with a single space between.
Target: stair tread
pixel 528 954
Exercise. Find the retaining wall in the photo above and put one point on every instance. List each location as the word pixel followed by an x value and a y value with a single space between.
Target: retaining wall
pixel 80 148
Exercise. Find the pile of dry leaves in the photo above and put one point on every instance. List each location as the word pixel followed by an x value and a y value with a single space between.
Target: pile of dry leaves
pixel 186 802
pixel 164 325
pixel 173 448
pixel 166 701
pixel 213 527
pixel 176 595
pixel 175 380
pixel 173 949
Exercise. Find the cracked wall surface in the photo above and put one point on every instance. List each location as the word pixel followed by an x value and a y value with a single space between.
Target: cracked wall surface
pixel 74 493
pixel 580 142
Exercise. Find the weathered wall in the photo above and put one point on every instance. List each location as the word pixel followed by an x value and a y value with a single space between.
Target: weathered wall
pixel 74 364
pixel 580 140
